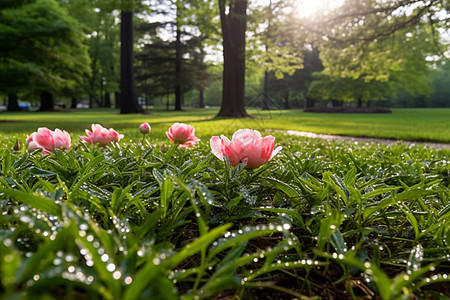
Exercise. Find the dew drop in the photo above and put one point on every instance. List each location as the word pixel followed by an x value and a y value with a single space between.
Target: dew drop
pixel 128 280
pixel 110 267
pixel 117 274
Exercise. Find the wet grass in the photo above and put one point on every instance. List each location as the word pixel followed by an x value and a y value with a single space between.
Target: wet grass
pixel 322 220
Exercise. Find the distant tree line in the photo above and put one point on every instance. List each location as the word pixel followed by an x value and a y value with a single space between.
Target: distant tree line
pixel 231 53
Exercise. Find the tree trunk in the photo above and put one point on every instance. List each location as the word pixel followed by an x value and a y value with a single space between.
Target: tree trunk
pixel 129 103
pixel 265 105
pixel 47 101
pixel 201 98
pixel 107 100
pixel 117 98
pixel 73 103
pixel 13 103
pixel 178 70
pixel 234 26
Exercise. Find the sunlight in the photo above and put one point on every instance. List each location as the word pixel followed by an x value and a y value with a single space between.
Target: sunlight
pixel 309 8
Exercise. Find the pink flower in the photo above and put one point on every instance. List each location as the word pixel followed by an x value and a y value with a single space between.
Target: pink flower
pixel 145 128
pixel 62 139
pixel 246 146
pixel 182 134
pixel 48 140
pixel 101 135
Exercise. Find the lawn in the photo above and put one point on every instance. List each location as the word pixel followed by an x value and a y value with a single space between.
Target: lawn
pixel 408 124
pixel 145 219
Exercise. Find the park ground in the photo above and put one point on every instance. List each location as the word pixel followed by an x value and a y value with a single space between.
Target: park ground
pixel 412 124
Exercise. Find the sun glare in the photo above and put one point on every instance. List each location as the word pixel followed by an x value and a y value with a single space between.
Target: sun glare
pixel 309 8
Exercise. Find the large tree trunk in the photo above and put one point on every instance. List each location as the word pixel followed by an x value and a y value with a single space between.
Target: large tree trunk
pixel 47 101
pixel 13 103
pixel 128 99
pixel 178 70
pixel 234 25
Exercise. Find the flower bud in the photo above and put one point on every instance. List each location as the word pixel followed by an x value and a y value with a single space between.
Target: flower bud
pixel 145 128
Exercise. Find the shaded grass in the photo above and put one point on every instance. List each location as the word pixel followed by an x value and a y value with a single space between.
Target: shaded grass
pixel 407 124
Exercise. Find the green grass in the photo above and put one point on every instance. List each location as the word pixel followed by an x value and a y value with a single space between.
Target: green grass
pixel 407 124
pixel 323 219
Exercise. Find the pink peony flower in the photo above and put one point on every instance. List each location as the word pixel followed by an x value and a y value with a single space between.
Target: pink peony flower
pixel 101 135
pixel 62 139
pixel 246 146
pixel 182 134
pixel 48 140
pixel 145 128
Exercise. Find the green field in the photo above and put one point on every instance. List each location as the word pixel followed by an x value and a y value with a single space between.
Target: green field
pixel 408 124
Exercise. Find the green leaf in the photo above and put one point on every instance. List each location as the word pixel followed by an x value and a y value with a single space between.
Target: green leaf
pixel 6 162
pixel 31 265
pixel 34 200
pixel 18 163
pixel 41 172
pixel 150 271
pixel 286 188
pixel 337 241
pixel 167 189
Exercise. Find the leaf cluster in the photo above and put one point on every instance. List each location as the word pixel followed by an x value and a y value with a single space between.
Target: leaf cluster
pixel 137 221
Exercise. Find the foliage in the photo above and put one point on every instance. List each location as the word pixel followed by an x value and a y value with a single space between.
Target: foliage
pixel 377 70
pixel 295 86
pixel 132 221
pixel 272 45
pixel 41 48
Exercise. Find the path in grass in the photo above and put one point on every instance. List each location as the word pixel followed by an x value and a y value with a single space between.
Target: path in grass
pixel 363 139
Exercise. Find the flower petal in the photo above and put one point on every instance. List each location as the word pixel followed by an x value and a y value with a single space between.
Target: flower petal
pixel 217 147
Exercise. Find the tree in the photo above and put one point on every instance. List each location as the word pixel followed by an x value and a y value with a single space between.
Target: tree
pixel 170 56
pixel 129 103
pixel 128 99
pixel 233 19
pixel 297 84
pixel 356 36
pixel 378 71
pixel 99 25
pixel 41 50
pixel 272 45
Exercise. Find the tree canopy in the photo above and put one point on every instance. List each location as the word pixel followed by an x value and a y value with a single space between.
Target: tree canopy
pixel 370 50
